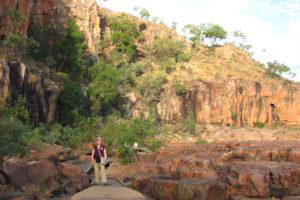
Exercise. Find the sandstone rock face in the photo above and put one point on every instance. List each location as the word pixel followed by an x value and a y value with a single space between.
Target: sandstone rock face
pixel 40 92
pixel 231 170
pixel 40 12
pixel 233 102
pixel 91 19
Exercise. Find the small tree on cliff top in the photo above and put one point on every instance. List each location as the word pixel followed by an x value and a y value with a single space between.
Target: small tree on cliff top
pixel 276 69
pixel 144 13
pixel 214 32
pixel 195 32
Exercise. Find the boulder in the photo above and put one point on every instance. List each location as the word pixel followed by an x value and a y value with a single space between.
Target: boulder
pixel 74 175
pixel 38 178
pixel 250 178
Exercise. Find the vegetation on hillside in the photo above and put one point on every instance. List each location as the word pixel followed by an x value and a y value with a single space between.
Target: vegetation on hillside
pixel 93 100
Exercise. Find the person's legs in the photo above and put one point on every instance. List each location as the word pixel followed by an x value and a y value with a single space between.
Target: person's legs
pixel 96 170
pixel 103 173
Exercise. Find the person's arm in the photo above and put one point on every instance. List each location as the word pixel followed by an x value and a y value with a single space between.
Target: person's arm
pixel 105 155
pixel 93 152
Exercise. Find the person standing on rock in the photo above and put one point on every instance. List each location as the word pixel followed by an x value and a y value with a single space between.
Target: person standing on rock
pixel 99 157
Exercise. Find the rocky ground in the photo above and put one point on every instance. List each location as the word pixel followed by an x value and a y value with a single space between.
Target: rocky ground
pixel 235 164
pixel 228 170
pixel 39 175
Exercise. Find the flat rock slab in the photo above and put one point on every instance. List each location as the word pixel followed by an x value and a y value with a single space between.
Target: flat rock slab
pixel 113 192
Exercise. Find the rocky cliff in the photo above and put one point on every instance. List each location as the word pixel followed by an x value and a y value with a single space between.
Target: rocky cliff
pixel 233 102
pixel 91 19
pixel 225 102
pixel 41 12
pixel 40 92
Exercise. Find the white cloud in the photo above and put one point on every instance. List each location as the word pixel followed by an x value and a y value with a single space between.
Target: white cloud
pixel 268 24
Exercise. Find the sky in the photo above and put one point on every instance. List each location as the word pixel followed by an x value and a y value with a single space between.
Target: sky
pixel 272 27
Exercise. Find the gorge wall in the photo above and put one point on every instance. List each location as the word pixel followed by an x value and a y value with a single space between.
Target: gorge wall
pixel 41 93
pixel 224 102
pixel 233 102
pixel 92 19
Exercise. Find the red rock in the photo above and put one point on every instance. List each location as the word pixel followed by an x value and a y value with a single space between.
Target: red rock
pixel 74 174
pixel 142 184
pixel 39 178
pixel 294 155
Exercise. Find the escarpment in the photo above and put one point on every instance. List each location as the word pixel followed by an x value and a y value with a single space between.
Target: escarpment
pixel 227 102
pixel 233 102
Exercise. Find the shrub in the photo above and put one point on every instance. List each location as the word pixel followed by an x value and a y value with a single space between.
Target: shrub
pixel 259 124
pixel 155 144
pixel 16 110
pixel 167 64
pixel 200 141
pixel 15 45
pixel 12 137
pixel 167 48
pixel 127 155
pixel 179 88
pixel 71 98
pixel 129 72
pixel 190 124
pixel 124 32
pixel 151 85
pixel 184 56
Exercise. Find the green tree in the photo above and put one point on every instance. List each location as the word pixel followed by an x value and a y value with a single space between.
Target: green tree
pixel 69 51
pixel 12 137
pixel 241 39
pixel 16 110
pixel 136 8
pixel 104 90
pixel 17 20
pixel 276 69
pixel 155 20
pixel 174 25
pixel 144 13
pixel 196 33
pixel 15 46
pixel 214 32
pixel 123 35
pixel 70 99
pixel 45 37
pixel 14 42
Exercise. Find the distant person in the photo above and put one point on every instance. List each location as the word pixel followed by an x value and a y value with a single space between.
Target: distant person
pixel 99 158
pixel 136 149
pixel 127 146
